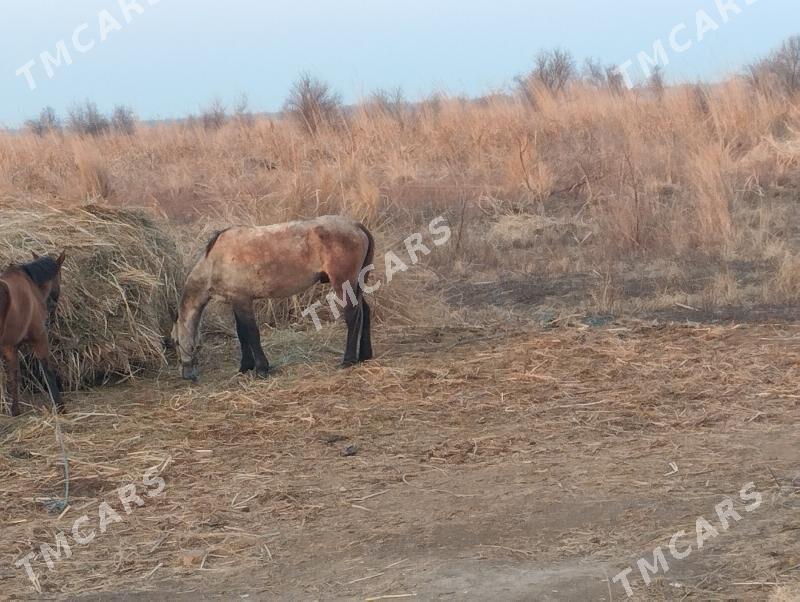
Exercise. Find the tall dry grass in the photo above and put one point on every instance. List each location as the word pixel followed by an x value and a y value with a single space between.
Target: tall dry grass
pixel 649 175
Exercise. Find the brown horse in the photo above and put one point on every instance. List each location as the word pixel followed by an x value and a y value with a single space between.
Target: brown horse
pixel 242 263
pixel 28 296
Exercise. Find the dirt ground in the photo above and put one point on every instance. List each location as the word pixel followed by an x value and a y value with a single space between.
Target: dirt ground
pixel 464 463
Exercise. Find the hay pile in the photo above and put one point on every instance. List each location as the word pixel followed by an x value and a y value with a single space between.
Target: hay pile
pixel 119 285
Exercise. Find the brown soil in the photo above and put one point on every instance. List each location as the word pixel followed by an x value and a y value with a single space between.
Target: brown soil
pixel 488 465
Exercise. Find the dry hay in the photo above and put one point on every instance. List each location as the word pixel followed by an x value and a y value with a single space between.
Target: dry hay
pixel 119 285
pixel 786 594
pixel 526 231
pixel 249 463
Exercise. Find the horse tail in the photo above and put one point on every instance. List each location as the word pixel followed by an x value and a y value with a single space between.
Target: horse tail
pixel 369 257
pixel 213 240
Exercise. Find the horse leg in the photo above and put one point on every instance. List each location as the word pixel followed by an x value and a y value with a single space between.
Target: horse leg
pixel 248 361
pixel 245 315
pixel 351 304
pixel 365 345
pixel 353 319
pixel 42 353
pixel 12 375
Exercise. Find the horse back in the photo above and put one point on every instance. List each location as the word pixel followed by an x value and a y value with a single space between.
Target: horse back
pixel 281 260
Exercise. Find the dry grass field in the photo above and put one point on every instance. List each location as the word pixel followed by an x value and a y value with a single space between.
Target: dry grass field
pixel 606 349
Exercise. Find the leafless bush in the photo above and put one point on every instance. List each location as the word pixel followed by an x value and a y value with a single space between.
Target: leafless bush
pixel 214 116
pixel 123 120
pixel 391 103
pixel 553 70
pixel 87 120
pixel 604 77
pixel 433 104
pixel 656 83
pixel 241 111
pixel 780 70
pixel 312 103
pixel 47 122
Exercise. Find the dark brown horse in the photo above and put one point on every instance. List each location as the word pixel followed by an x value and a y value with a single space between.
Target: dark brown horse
pixel 268 262
pixel 28 295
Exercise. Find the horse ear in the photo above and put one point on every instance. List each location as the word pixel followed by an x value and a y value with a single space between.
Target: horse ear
pixel 61 258
pixel 35 255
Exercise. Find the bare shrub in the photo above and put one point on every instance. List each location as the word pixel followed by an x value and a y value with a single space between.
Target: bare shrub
pixel 47 122
pixel 656 83
pixel 391 103
pixel 214 116
pixel 604 77
pixel 553 70
pixel 780 70
pixel 123 120
pixel 241 111
pixel 312 103
pixel 87 120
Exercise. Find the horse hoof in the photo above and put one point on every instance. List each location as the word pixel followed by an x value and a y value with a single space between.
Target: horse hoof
pixel 262 373
pixel 190 373
pixel 347 364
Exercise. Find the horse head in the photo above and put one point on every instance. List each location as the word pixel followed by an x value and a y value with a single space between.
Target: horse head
pixel 45 272
pixel 182 341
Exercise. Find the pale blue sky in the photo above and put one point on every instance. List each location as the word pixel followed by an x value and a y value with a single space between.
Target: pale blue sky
pixel 178 55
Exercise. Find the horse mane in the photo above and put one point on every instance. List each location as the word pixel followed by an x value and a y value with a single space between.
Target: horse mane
pixel 213 240
pixel 41 270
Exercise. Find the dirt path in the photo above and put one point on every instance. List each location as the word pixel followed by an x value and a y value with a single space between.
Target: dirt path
pixel 488 465
pixel 514 532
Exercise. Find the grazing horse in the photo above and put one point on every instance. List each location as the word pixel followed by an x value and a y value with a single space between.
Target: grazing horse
pixel 28 296
pixel 243 263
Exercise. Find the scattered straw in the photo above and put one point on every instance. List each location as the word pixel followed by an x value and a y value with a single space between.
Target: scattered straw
pixel 256 484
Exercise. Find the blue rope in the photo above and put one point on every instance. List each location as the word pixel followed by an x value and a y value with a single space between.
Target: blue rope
pixel 55 505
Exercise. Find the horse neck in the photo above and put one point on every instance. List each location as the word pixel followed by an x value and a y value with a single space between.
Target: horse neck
pixel 194 300
pixel 19 286
pixel 5 305
pixel 17 291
